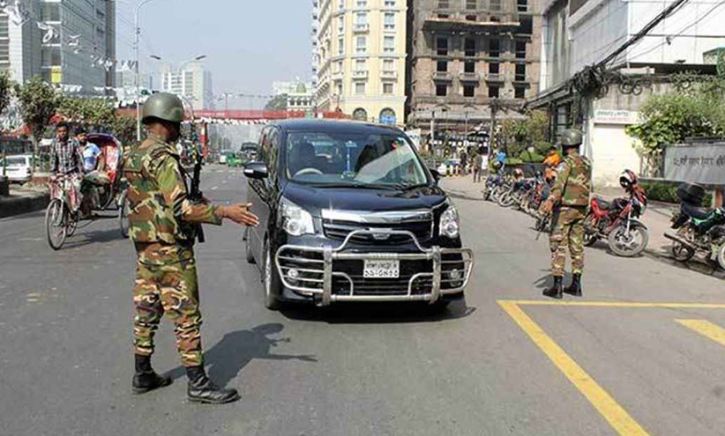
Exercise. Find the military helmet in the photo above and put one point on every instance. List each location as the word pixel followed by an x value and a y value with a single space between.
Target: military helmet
pixel 164 106
pixel 571 138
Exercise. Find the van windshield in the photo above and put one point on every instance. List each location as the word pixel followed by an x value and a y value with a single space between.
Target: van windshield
pixel 352 158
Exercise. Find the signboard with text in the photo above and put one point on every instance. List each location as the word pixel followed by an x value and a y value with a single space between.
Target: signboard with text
pixel 606 116
pixel 704 164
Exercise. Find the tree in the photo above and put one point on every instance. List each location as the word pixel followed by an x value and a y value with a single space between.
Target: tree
pixel 278 103
pixel 38 104
pixel 5 91
pixel 124 129
pixel 90 112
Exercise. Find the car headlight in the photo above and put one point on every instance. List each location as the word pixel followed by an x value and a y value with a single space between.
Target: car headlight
pixel 450 224
pixel 295 220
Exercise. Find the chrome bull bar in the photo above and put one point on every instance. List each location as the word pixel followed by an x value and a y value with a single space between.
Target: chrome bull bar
pixel 324 274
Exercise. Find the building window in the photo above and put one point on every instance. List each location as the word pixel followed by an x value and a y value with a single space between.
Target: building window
pixel 341 24
pixel 389 3
pixel 359 88
pixel 389 21
pixel 387 116
pixel 520 49
pixel 495 5
pixel 388 65
pixel 359 64
pixel 522 5
pixel 470 47
pixel 471 4
pixel 362 3
pixel 389 44
pixel 494 48
pixel 50 12
pixel 441 90
pixel 442 46
pixel 520 73
pixel 341 6
pixel 4 30
pixel 341 46
pixel 520 92
pixel 527 26
pixel 493 68
pixel 360 114
pixel 469 91
pixel 361 18
pixel 471 18
pixel 443 4
pixel 362 43
pixel 493 92
pixel 339 89
pixel 388 88
pixel 469 67
pixel 442 66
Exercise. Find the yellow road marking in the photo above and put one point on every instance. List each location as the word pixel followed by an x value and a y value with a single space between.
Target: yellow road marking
pixel 615 414
pixel 705 328
pixel 621 304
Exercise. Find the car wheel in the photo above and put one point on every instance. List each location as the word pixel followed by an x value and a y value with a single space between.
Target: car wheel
pixel 439 307
pixel 272 283
pixel 248 248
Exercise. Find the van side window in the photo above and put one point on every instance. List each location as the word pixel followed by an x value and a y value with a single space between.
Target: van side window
pixel 264 146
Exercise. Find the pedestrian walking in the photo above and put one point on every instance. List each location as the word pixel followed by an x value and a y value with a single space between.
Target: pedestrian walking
pixel 464 163
pixel 477 167
pixel 163 222
pixel 568 201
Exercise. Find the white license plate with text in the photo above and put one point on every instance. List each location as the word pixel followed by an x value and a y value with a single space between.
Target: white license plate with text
pixel 381 269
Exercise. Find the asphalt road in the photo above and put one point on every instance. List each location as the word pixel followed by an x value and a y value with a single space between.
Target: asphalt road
pixel 487 367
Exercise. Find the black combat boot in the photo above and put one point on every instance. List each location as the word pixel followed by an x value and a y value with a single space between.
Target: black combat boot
pixel 203 390
pixel 556 290
pixel 146 379
pixel 575 288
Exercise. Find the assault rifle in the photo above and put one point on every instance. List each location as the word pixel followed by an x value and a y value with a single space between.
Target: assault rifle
pixel 196 195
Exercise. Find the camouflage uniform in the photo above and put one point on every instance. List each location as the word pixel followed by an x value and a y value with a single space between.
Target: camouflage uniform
pixel 570 196
pixel 162 225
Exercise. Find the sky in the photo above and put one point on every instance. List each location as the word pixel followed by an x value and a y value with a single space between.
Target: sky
pixel 249 43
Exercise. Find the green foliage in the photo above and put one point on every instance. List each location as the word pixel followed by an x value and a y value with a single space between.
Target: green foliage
pixel 520 134
pixel 666 193
pixel 90 112
pixel 6 90
pixel 534 157
pixel 38 104
pixel 514 161
pixel 278 103
pixel 124 129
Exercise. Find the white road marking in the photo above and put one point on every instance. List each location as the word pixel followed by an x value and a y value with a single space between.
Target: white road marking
pixel 214 188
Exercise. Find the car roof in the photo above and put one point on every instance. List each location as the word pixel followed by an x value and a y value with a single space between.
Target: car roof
pixel 332 126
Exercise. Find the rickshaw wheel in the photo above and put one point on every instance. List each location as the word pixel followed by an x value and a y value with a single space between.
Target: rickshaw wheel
pixel 56 223
pixel 72 225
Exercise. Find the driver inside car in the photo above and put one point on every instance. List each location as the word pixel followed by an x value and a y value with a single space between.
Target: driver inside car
pixel 303 157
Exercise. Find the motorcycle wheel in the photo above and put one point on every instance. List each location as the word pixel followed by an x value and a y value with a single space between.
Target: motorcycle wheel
pixel 721 256
pixel 628 245
pixel 507 200
pixel 679 252
pixel 590 233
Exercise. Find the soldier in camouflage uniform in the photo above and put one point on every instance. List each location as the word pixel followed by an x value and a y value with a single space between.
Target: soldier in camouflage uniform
pixel 569 201
pixel 162 225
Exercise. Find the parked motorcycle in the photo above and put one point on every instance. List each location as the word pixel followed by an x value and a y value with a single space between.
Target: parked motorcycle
pixel 618 221
pixel 699 230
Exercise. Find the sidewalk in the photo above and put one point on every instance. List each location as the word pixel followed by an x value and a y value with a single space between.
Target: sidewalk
pixel 656 218
pixel 23 199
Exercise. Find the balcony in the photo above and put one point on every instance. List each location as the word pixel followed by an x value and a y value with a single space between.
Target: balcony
pixel 337 76
pixel 389 74
pixel 442 76
pixel 360 74
pixel 521 79
pixel 497 77
pixel 460 24
pixel 469 77
pixel 361 28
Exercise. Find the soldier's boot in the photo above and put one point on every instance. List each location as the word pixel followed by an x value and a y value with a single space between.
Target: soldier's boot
pixel 575 288
pixel 145 379
pixel 556 291
pixel 203 390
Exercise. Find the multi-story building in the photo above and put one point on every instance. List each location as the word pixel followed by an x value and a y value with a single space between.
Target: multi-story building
pixel 581 33
pixel 300 95
pixel 192 82
pixel 360 58
pixel 464 54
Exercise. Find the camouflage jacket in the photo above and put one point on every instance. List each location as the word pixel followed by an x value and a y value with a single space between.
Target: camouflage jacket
pixel 160 211
pixel 573 183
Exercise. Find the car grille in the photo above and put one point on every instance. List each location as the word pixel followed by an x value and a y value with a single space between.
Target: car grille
pixel 423 231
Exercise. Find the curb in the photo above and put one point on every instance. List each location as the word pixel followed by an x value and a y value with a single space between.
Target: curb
pixel 19 205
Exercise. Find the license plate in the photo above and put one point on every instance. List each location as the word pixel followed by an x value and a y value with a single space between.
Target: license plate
pixel 381 269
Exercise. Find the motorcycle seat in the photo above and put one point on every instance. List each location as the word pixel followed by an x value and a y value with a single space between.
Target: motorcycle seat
pixel 604 204
pixel 699 213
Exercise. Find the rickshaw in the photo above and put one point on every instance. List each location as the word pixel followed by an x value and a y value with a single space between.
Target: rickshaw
pixel 105 185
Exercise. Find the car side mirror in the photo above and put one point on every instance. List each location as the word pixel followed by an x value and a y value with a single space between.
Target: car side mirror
pixel 256 170
pixel 436 174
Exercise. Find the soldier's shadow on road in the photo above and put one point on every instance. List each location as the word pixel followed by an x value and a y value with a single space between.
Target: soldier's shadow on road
pixel 361 313
pixel 226 359
pixel 82 239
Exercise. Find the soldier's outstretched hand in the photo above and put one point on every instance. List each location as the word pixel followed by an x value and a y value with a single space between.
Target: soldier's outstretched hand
pixel 240 214
pixel 546 208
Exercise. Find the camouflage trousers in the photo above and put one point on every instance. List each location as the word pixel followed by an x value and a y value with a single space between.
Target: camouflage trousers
pixel 567 230
pixel 173 290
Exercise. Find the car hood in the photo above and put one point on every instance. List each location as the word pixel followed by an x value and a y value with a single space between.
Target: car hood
pixel 315 199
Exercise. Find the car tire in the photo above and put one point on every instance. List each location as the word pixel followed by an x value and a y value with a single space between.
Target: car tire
pixel 271 281
pixel 248 254
pixel 439 307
